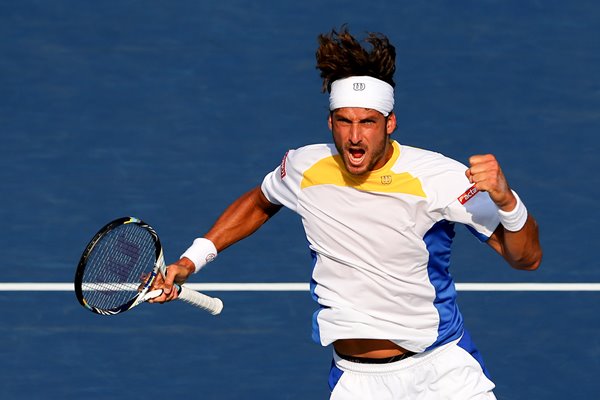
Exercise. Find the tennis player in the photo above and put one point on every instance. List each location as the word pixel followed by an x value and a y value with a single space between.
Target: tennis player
pixel 379 217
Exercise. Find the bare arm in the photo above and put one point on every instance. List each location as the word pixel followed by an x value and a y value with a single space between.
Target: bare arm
pixel 242 218
pixel 521 249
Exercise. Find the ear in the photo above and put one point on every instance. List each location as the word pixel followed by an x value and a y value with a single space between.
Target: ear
pixel 329 122
pixel 390 125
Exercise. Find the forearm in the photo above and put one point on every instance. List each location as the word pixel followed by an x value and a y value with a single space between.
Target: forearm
pixel 520 249
pixel 242 218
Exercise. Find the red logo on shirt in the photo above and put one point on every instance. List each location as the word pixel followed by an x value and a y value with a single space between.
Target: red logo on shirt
pixel 283 173
pixel 468 195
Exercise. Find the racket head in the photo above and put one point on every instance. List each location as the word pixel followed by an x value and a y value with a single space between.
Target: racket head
pixel 118 266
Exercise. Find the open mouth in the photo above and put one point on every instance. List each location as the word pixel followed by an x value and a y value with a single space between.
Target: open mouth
pixel 356 156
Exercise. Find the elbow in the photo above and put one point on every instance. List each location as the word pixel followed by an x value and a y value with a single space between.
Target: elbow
pixel 530 263
pixel 532 266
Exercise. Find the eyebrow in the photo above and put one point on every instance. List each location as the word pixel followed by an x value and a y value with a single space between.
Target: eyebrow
pixel 346 119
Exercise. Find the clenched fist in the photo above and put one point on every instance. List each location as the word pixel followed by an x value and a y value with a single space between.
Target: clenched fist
pixel 486 174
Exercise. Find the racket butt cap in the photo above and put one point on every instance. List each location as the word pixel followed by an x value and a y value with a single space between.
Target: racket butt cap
pixel 218 307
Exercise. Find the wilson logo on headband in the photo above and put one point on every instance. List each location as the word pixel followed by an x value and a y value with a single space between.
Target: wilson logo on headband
pixel 364 92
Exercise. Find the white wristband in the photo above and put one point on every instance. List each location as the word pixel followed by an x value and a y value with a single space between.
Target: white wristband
pixel 201 252
pixel 514 220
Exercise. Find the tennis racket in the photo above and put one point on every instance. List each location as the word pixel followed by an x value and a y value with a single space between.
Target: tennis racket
pixel 119 265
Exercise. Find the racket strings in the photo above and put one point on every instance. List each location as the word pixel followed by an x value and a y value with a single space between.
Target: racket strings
pixel 119 266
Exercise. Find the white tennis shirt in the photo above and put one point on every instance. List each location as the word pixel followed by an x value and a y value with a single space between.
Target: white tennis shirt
pixel 381 244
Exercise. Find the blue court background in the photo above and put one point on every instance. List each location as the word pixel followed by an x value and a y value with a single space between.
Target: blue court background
pixel 170 110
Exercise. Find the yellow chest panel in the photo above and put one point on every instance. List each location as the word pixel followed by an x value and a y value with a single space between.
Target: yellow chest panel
pixel 331 171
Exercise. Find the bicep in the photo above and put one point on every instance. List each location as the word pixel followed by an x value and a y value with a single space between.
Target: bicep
pixel 264 204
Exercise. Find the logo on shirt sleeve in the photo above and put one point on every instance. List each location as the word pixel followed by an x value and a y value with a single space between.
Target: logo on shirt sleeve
pixel 468 195
pixel 283 162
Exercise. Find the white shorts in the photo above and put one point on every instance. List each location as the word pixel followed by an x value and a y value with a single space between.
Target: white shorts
pixel 447 372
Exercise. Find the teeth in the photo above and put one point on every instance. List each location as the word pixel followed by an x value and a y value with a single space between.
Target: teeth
pixel 356 159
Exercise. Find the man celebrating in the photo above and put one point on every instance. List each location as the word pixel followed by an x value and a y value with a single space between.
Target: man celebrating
pixel 379 217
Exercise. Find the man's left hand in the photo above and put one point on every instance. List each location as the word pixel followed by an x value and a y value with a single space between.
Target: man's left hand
pixel 486 174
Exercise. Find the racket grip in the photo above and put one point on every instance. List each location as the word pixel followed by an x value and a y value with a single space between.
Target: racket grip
pixel 213 305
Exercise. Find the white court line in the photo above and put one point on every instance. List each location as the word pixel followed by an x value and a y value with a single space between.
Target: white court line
pixel 304 287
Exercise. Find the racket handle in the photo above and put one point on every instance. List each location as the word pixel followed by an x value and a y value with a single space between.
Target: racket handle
pixel 213 305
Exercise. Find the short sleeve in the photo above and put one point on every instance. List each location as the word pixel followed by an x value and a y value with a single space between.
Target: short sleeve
pixel 476 210
pixel 280 186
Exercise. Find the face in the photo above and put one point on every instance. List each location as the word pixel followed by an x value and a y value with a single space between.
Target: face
pixel 361 136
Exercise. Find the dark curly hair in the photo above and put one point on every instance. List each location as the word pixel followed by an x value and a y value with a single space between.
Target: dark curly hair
pixel 340 56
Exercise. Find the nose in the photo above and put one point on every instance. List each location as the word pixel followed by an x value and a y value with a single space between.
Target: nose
pixel 355 136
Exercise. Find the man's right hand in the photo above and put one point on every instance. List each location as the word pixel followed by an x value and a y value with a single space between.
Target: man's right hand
pixel 177 272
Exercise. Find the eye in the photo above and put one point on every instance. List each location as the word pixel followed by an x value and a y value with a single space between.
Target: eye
pixel 343 121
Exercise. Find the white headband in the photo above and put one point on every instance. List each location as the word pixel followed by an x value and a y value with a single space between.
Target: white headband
pixel 362 91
